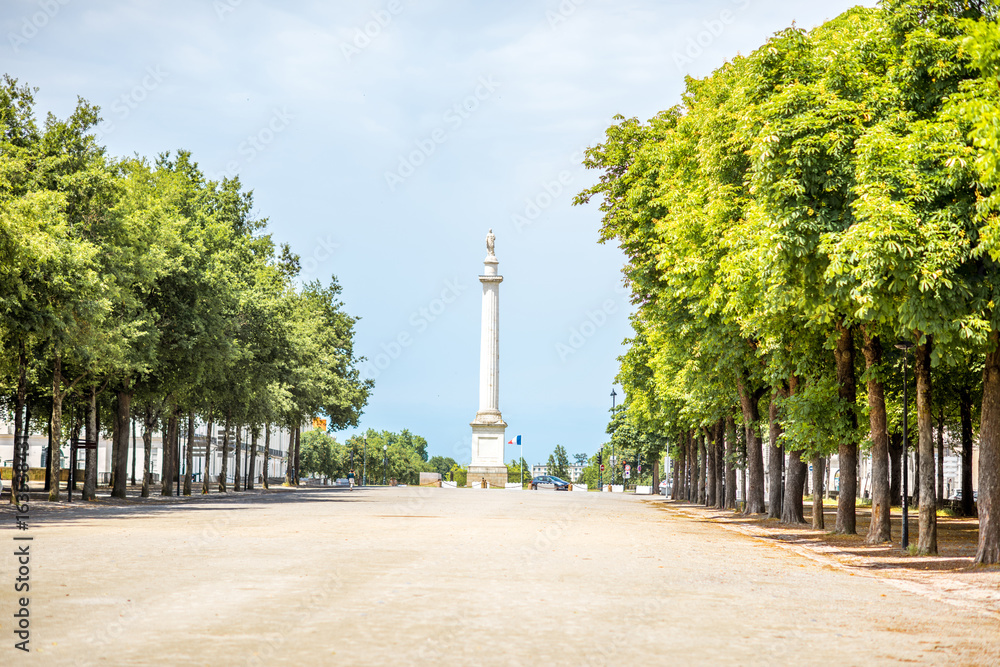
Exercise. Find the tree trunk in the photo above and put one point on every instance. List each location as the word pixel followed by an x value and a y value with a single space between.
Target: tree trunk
pixel 709 466
pixel 690 480
pixel 119 440
pixel 688 466
pixel 148 422
pixel 880 528
pixel 682 449
pixel 896 469
pixel 298 453
pixel 795 479
pixel 754 449
pixel 267 455
pixel 169 453
pixel 708 461
pixel 291 458
pixel 19 464
pixel 730 466
pixel 189 455
pixel 819 476
pixel 56 428
pixel 697 476
pixel 774 460
pixel 988 552
pixel 48 456
pixel 237 478
pixel 965 408
pixel 680 463
pixel 90 455
pixel 847 453
pixel 927 539
pixel 720 464
pixel 206 473
pixel 796 476
pixel 75 424
pixel 742 446
pixel 252 463
pixel 940 457
pixel 675 478
pixel 224 473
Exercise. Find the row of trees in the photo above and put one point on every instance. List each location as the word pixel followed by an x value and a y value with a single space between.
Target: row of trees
pixel 833 192
pixel 629 445
pixel 385 455
pixel 401 456
pixel 132 288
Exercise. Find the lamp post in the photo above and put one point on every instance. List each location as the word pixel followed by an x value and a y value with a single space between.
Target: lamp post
pixel 385 461
pixel 364 463
pixel 905 347
pixel 613 396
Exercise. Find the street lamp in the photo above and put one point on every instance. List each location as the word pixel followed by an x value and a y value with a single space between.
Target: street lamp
pixel 385 461
pixel 613 396
pixel 364 464
pixel 905 347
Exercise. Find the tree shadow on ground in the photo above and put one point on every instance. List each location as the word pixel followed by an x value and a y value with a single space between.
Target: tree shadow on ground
pixel 957 538
pixel 44 513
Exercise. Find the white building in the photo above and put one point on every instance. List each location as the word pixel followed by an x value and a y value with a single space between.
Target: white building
pixel 276 456
pixel 575 470
pixel 952 470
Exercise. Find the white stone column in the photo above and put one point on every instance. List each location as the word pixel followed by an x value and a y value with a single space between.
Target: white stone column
pixel 489 346
pixel 488 428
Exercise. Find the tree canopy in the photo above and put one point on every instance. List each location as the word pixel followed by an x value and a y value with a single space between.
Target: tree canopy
pixel 832 191
pixel 147 287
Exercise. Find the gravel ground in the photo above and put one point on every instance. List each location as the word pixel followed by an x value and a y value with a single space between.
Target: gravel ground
pixel 420 576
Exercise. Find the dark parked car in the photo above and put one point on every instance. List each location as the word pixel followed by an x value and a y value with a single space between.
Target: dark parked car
pixel 549 482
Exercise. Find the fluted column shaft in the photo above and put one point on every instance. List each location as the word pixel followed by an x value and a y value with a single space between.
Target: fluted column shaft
pixel 489 348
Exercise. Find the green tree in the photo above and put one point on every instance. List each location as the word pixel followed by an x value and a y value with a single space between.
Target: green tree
pixel 518 470
pixel 558 463
pixel 321 455
pixel 978 105
pixel 441 465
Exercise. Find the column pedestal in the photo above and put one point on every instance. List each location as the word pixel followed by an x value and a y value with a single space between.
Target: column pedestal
pixel 487 452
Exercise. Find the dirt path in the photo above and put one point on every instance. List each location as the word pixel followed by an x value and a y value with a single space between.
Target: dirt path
pixel 454 576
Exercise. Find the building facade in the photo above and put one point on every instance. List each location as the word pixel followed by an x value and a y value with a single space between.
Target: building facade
pixel 275 458
pixel 575 470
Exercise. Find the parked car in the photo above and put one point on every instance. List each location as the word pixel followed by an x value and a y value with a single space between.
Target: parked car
pixel 549 482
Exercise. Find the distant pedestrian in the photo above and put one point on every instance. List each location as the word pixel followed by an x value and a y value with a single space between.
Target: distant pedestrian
pixel 350 480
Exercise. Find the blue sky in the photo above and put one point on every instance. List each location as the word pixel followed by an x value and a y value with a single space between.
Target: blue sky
pixel 382 139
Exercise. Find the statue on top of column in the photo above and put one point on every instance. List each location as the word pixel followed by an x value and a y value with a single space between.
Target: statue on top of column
pixel 490 243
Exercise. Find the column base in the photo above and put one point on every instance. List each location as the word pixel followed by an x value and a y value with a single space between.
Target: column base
pixel 495 476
